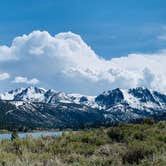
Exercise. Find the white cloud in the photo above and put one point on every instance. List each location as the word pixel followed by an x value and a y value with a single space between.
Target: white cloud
pixel 6 53
pixel 25 80
pixel 65 60
pixel 4 76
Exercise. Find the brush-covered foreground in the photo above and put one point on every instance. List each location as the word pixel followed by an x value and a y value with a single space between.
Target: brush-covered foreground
pixel 125 144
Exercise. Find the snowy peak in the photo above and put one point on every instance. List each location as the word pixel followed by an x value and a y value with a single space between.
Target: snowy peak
pixel 55 97
pixel 31 94
pixel 108 99
pixel 35 94
pixel 136 98
pixel 143 94
pixel 160 98
pixel 24 94
pixel 11 94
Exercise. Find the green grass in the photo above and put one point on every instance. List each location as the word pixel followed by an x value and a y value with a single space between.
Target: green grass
pixel 126 144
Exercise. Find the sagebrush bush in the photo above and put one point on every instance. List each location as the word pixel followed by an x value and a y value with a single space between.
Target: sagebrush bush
pixel 148 121
pixel 139 136
pixel 137 152
pixel 116 134
pixel 161 125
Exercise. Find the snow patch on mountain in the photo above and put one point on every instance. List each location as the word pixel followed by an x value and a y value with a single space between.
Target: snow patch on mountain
pixel 118 102
pixel 11 94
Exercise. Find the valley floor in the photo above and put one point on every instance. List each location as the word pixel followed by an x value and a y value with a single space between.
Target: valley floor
pixel 125 144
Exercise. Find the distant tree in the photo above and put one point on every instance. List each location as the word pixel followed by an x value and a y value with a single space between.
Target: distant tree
pixel 14 135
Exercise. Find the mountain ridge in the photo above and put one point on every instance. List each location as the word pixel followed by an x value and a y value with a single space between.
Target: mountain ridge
pixel 49 108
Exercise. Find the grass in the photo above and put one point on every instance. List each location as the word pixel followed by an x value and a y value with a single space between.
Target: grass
pixel 125 144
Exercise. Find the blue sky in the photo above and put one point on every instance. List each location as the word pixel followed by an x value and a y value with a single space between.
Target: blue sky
pixel 111 27
pixel 132 31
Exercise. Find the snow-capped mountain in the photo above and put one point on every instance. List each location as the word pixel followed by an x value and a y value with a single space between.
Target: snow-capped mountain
pixel 40 107
pixel 138 98
pixel 126 105
pixel 35 94
pixel 24 94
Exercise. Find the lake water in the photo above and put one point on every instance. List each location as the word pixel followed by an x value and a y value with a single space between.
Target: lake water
pixel 33 135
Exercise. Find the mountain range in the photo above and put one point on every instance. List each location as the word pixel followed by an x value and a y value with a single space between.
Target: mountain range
pixel 36 107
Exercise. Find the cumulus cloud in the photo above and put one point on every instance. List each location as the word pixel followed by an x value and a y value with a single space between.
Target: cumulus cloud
pixel 65 60
pixel 4 76
pixel 25 80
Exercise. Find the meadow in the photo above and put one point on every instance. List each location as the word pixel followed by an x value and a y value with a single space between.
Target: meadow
pixel 121 145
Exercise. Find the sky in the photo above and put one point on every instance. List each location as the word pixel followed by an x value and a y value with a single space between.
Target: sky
pixel 83 46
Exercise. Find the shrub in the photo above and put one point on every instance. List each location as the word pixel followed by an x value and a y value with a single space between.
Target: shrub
pixel 139 136
pixel 136 153
pixel 162 137
pixel 90 139
pixel 116 134
pixel 16 147
pixel 14 135
pixel 148 121
pixel 161 125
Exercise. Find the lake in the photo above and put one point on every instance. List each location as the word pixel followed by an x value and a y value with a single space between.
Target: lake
pixel 33 135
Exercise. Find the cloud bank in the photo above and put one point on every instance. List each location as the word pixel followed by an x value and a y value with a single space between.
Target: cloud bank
pixel 25 80
pixel 4 76
pixel 65 61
